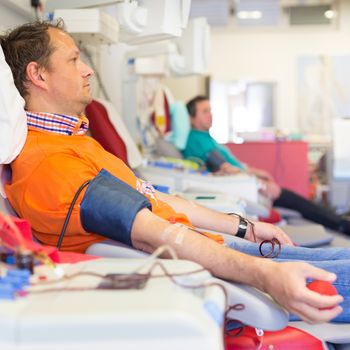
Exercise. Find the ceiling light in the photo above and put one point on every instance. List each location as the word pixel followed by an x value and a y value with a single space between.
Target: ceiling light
pixel 330 14
pixel 249 14
pixel 256 14
pixel 243 15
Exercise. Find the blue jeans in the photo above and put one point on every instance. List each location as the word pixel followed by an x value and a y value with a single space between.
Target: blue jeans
pixel 336 260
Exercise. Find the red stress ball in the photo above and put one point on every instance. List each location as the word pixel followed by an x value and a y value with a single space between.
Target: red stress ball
pixel 323 287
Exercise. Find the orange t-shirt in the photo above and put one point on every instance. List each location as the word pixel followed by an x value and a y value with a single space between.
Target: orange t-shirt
pixel 46 176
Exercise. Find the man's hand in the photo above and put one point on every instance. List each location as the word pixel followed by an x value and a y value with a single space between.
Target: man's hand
pixel 270 189
pixel 286 283
pixel 264 231
pixel 227 169
pixel 261 174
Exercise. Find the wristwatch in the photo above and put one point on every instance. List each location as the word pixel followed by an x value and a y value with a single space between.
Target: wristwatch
pixel 242 227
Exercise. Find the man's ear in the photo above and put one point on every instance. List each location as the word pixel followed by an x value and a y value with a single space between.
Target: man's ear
pixel 192 121
pixel 36 75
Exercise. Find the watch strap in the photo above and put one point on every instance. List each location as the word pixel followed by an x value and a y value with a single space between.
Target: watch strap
pixel 242 227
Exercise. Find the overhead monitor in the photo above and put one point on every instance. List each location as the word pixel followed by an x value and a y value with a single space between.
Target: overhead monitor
pixel 92 26
pixel 186 55
pixel 140 21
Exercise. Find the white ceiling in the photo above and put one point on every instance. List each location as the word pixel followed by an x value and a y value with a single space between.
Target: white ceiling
pixel 219 12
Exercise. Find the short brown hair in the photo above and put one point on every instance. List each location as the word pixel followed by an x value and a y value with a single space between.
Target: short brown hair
pixel 192 104
pixel 28 43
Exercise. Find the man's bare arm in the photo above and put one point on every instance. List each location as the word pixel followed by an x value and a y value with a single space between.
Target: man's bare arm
pixel 208 219
pixel 201 216
pixel 285 282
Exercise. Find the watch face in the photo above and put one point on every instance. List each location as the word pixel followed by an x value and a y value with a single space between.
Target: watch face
pixel 242 227
pixel 243 223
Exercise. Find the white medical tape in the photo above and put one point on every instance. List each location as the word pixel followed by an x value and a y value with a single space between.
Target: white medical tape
pixel 170 229
pixel 180 235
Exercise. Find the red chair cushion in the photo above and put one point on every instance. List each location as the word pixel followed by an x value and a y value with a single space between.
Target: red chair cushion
pixel 103 131
pixel 273 218
pixel 289 338
pixel 15 232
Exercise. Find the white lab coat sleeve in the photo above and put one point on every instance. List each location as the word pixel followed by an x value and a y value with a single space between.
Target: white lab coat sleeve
pixel 13 121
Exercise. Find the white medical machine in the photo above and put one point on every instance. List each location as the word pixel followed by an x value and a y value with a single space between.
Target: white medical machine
pixel 140 21
pixel 90 25
pixel 239 186
pixel 128 309
pixel 185 55
pixel 88 312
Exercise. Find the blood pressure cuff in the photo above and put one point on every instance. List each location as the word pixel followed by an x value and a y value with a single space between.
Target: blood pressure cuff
pixel 109 207
pixel 214 161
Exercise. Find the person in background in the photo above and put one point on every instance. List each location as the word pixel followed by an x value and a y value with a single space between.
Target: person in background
pixel 220 161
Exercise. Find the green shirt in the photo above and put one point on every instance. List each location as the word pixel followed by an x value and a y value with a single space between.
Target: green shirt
pixel 200 144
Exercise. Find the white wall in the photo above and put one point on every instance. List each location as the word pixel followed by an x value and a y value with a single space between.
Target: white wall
pixel 184 88
pixel 112 66
pixel 268 55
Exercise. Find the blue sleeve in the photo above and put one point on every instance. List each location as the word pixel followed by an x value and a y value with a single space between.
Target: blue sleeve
pixel 199 145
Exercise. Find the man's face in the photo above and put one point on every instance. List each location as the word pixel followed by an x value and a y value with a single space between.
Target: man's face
pixel 203 118
pixel 67 76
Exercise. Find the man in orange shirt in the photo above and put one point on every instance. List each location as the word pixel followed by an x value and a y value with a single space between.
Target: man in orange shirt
pixel 58 158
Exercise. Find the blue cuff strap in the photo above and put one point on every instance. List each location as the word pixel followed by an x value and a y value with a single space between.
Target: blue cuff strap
pixel 214 161
pixel 109 207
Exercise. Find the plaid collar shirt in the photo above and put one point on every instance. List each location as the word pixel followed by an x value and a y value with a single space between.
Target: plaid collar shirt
pixel 57 123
